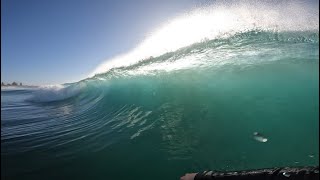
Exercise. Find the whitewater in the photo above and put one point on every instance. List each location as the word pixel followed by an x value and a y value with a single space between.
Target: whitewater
pixel 191 96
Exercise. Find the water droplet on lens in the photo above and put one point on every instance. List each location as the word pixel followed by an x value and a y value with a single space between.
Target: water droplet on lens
pixel 286 174
pixel 259 137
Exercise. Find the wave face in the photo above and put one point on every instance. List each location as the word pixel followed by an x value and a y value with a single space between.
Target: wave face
pixel 195 108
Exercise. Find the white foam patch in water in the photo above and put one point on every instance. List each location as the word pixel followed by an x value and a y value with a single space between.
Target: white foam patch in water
pixel 220 20
pixel 51 93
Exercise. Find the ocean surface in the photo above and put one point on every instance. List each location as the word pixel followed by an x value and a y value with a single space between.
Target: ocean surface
pixel 245 100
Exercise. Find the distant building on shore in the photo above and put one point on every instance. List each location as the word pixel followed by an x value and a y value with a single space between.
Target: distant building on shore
pixel 13 84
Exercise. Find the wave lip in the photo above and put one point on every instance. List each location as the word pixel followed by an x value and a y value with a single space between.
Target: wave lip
pixel 241 50
pixel 221 20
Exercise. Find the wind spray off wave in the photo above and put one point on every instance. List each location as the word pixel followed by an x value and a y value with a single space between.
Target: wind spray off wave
pixel 221 20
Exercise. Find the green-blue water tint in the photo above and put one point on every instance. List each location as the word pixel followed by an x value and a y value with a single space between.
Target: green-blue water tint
pixel 158 120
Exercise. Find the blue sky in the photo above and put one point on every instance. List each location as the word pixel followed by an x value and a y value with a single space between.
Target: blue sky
pixel 57 41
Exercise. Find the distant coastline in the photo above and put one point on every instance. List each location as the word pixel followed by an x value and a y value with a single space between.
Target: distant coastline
pixel 23 86
pixel 16 85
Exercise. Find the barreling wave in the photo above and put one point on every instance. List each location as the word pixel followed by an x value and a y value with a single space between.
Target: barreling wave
pixel 127 101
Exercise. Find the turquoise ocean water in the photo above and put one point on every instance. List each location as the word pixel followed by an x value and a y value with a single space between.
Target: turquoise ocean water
pixel 192 109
